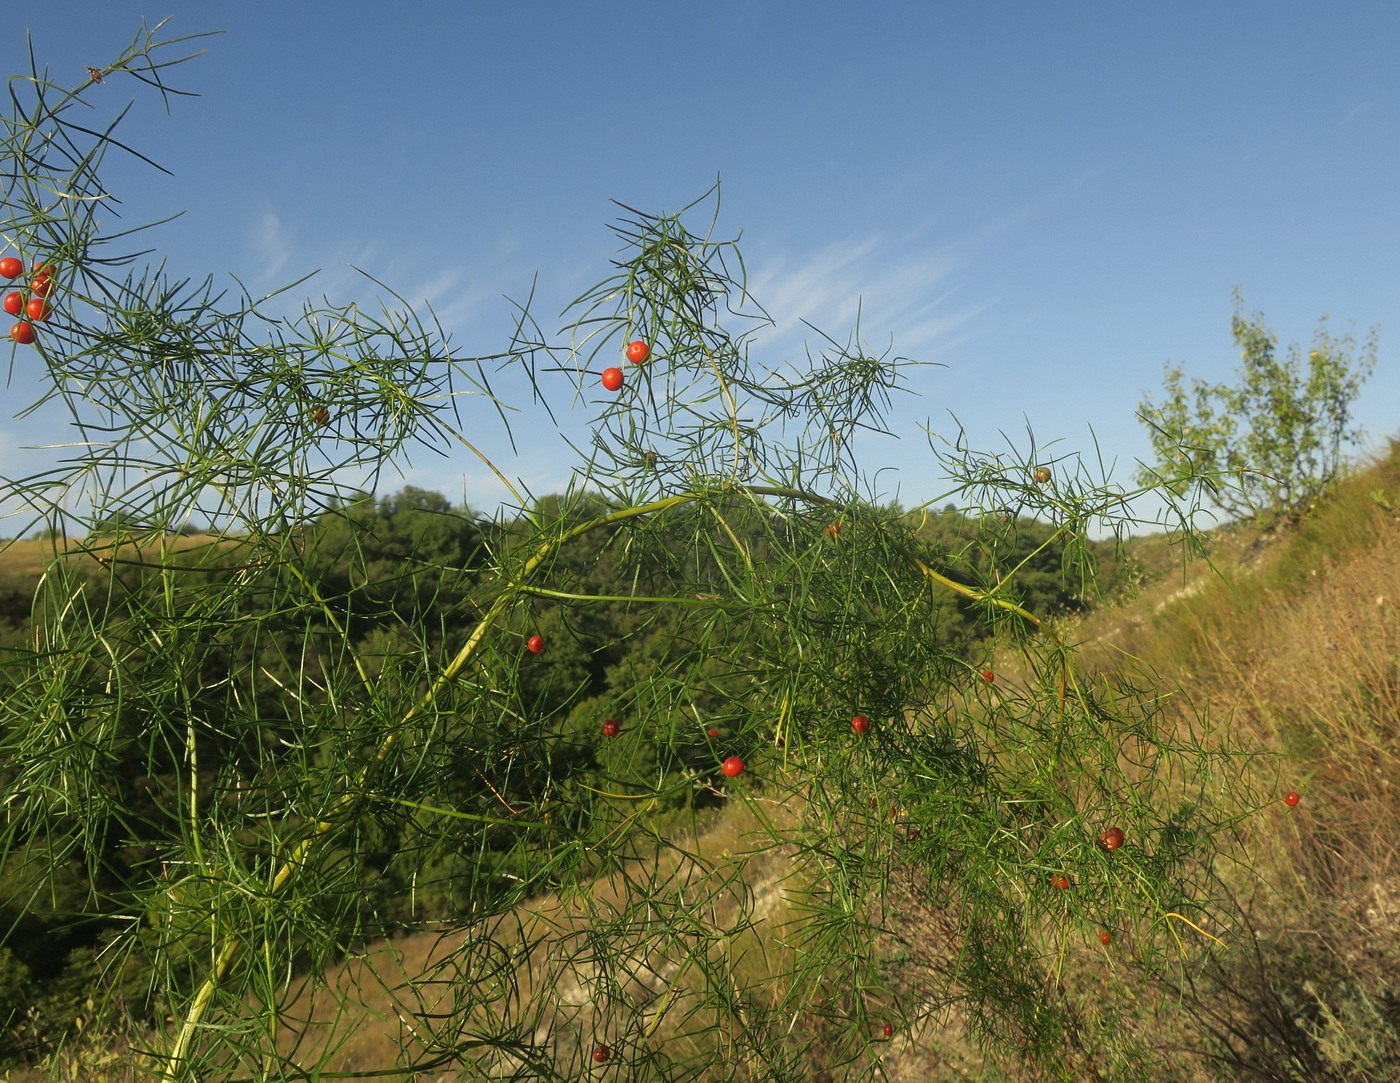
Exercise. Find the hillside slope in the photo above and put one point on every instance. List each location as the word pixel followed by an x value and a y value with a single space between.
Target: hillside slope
pixel 1293 637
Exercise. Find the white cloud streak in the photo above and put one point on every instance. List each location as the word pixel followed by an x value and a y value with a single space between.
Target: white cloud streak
pixel 910 299
pixel 273 245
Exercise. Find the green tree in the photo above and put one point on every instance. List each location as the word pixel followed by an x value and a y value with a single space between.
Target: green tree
pixel 1272 442
pixel 404 558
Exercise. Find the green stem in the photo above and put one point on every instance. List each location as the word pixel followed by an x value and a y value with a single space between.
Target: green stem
pixel 568 596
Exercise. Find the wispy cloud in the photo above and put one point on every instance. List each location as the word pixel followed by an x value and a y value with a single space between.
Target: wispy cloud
pixel 909 296
pixel 459 294
pixel 1042 206
pixel 271 241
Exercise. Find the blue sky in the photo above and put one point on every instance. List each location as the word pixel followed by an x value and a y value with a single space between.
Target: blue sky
pixel 1049 200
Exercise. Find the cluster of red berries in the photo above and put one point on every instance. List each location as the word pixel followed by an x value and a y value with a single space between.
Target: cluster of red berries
pixel 36 309
pixel 637 353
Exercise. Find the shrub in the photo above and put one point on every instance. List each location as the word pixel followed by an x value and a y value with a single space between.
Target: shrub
pixel 244 749
pixel 1275 440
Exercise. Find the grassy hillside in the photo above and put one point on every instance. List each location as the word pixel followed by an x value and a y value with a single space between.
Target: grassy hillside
pixel 1294 636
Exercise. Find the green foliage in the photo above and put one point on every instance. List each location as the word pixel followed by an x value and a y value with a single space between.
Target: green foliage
pixel 252 753
pixel 1275 440
pixel 15 993
pixel 409 558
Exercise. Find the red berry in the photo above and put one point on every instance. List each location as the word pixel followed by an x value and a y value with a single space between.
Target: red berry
pixel 733 766
pixel 1112 838
pixel 612 379
pixel 14 302
pixel 638 352
pixel 611 728
pixel 1061 882
pixel 42 282
pixel 860 724
pixel 10 267
pixel 38 309
pixel 1105 937
pixel 535 644
pixel 712 734
pixel 601 1053
pixel 1290 798
pixel 988 676
pixel 320 415
pixel 887 1030
pixel 23 333
pixel 833 528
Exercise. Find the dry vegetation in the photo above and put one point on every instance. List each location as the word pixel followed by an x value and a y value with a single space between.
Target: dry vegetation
pixel 26 558
pixel 25 561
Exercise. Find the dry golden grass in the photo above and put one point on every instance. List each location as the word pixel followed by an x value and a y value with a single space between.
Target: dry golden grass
pixel 401 1003
pixel 31 553
pixel 24 559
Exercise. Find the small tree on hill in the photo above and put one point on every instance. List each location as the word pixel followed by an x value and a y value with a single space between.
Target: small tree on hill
pixel 1269 444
